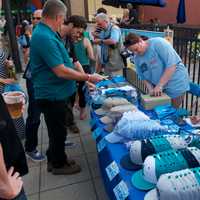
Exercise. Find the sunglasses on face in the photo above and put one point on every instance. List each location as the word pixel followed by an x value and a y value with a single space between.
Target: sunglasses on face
pixel 38 18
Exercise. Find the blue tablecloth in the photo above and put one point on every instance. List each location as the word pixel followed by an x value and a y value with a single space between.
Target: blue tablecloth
pixel 114 152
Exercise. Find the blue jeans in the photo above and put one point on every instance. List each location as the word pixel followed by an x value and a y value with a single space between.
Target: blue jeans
pixel 21 196
pixel 55 118
pixel 33 119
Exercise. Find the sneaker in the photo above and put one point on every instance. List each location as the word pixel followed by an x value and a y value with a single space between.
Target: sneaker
pixel 50 167
pixel 66 169
pixel 74 129
pixel 69 144
pixel 36 156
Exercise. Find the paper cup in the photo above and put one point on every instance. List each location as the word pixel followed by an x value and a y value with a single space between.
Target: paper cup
pixel 14 101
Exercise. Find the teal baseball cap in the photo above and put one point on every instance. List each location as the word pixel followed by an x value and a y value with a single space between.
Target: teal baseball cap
pixel 140 183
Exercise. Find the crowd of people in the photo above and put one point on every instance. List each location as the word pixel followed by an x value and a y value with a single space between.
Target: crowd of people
pixel 58 53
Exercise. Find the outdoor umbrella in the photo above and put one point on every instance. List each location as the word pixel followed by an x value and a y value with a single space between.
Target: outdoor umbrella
pixel 123 3
pixel 181 18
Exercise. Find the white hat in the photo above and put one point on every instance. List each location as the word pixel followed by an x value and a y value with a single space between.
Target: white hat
pixel 179 185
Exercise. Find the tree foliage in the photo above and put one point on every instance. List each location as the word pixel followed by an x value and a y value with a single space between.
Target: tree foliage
pixel 18 4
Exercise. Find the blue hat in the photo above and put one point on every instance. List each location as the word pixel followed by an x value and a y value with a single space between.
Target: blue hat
pixel 115 138
pixel 129 129
pixel 140 183
pixel 127 164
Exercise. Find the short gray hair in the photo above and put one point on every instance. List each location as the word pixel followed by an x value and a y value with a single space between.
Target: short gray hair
pixel 103 16
pixel 52 8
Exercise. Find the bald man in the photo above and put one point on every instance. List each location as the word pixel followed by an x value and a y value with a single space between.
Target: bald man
pixel 33 118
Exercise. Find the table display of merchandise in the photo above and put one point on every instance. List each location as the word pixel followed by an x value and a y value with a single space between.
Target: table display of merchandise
pixel 143 154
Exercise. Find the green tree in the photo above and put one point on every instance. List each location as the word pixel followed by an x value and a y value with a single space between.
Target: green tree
pixel 18 4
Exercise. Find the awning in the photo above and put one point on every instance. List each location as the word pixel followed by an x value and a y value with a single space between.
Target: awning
pixel 123 3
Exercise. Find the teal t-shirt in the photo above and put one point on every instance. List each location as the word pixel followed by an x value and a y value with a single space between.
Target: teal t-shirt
pixel 81 53
pixel 46 52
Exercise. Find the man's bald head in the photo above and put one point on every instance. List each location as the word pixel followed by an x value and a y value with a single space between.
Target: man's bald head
pixel 37 15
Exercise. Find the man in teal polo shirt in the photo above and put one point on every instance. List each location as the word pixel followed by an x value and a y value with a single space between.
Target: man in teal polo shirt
pixel 53 76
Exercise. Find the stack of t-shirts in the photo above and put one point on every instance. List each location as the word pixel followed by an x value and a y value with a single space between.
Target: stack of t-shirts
pixel 124 91
pixel 165 162
pixel 135 125
pixel 140 149
pixel 105 84
pixel 97 98
pixel 179 185
pixel 110 82
pixel 149 102
pixel 165 111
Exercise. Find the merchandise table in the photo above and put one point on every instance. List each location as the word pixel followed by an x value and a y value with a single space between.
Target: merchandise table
pixel 116 179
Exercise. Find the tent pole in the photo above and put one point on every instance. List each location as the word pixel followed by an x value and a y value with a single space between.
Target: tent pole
pixel 12 35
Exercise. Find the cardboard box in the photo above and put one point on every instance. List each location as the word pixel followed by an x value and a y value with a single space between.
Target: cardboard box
pixel 149 102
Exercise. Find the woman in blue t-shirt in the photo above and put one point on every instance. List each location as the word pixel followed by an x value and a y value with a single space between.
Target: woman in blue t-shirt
pixel 159 66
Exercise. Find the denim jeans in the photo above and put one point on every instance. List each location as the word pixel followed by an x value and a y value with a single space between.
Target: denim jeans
pixel 81 84
pixel 55 118
pixel 33 119
pixel 69 113
pixel 21 196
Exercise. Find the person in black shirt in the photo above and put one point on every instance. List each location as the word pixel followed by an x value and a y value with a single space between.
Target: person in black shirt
pixel 78 23
pixel 13 163
pixel 133 14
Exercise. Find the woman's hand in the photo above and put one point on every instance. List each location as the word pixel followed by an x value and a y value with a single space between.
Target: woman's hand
pixel 9 63
pixel 157 91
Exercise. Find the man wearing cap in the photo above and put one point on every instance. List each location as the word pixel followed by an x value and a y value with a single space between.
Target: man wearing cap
pixel 53 76
pixel 111 45
pixel 159 66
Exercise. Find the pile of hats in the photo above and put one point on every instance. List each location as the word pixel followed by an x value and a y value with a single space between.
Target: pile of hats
pixel 179 185
pixel 113 108
pixel 167 164
pixel 135 125
pixel 140 149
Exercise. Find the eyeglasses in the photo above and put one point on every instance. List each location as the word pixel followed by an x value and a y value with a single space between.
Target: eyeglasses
pixel 38 18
